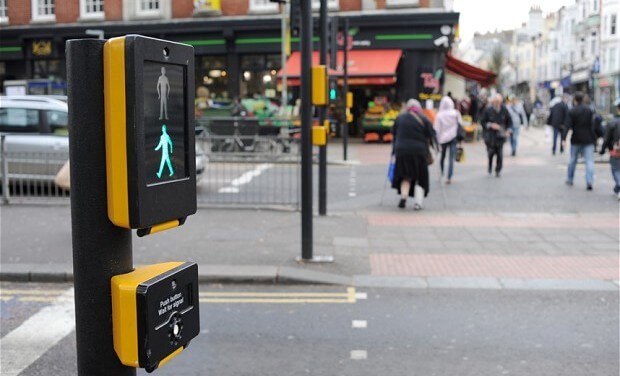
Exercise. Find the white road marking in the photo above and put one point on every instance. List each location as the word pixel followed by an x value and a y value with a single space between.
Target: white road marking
pixel 245 178
pixel 359 324
pixel 353 183
pixel 361 296
pixel 25 344
pixel 359 355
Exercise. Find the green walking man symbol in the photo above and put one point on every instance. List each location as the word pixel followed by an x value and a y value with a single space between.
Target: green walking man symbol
pixel 164 141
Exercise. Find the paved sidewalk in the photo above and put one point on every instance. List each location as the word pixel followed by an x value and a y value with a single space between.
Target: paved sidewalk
pixel 526 230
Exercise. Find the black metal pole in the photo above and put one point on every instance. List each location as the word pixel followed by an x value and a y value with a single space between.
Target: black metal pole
pixel 306 129
pixel 100 249
pixel 323 116
pixel 345 130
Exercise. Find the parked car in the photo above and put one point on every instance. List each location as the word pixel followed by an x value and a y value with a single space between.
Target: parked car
pixel 36 141
pixel 36 129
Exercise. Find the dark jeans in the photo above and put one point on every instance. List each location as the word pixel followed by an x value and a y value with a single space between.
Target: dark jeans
pixel 557 133
pixel 498 151
pixel 614 162
pixel 444 147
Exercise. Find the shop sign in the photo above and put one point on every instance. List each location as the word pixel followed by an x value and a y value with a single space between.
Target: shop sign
pixel 41 47
pixel 604 82
pixel 430 84
pixel 207 5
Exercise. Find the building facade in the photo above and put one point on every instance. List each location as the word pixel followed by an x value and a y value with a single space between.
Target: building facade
pixel 607 80
pixel 237 42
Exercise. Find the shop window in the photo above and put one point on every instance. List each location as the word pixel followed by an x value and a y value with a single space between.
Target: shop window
pixel 402 3
pixel 47 69
pixel 331 4
pixel 146 8
pixel 43 10
pixel 4 12
pixel 91 9
pixel 263 6
pixel 212 76
pixel 259 75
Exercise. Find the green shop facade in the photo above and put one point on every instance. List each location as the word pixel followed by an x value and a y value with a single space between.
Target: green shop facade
pixel 241 56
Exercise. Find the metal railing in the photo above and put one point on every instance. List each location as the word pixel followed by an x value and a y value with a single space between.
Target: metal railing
pixel 249 164
pixel 239 163
pixel 28 176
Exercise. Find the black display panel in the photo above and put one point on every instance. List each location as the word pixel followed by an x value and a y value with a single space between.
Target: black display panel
pixel 165 123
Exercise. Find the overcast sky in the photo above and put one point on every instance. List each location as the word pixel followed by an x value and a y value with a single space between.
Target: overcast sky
pixel 489 15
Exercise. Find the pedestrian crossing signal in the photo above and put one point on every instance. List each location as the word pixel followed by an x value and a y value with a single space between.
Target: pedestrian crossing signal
pixel 150 154
pixel 332 94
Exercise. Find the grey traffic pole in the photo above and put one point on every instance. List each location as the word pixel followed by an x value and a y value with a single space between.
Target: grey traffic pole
pixel 306 129
pixel 5 169
pixel 100 249
pixel 345 131
pixel 323 115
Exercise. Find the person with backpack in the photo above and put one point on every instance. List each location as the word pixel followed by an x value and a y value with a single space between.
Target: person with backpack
pixel 611 141
pixel 583 137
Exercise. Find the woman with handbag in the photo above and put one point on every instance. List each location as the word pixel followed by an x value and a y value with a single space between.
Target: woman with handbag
pixel 413 134
pixel 447 125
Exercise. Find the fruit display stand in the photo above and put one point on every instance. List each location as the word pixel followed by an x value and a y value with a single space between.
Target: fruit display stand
pixel 377 123
pixel 472 130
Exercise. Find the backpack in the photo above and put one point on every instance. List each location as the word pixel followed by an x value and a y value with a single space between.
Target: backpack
pixel 597 125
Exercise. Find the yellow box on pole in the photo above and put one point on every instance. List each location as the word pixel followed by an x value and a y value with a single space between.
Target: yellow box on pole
pixel 349 99
pixel 349 116
pixel 319 85
pixel 155 313
pixel 319 135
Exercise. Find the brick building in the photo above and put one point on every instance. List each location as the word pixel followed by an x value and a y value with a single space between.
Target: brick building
pixel 237 42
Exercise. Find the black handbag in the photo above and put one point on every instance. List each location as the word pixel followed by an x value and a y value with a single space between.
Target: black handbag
pixel 460 133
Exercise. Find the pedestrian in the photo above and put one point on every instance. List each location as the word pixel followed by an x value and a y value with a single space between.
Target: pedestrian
pixel 579 122
pixel 446 126
pixel 237 108
pixel 413 133
pixel 519 119
pixel 558 114
pixel 611 141
pixel 496 126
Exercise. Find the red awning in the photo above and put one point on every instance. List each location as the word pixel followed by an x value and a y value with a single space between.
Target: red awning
pixel 454 65
pixel 366 67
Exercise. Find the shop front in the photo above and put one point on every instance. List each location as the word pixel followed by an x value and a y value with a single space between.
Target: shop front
pixel 393 55
pixel 607 89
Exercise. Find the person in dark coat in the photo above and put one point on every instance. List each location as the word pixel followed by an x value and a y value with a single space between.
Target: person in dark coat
pixel 579 122
pixel 496 126
pixel 412 133
pixel 611 141
pixel 557 119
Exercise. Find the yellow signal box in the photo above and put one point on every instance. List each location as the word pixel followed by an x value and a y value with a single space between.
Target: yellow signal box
pixel 150 154
pixel 155 313
pixel 319 85
pixel 349 99
pixel 319 135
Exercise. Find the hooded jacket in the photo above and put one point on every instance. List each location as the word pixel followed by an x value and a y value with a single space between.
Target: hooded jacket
pixel 558 113
pixel 446 121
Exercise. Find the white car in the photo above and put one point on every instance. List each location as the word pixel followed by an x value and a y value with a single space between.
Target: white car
pixel 35 129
